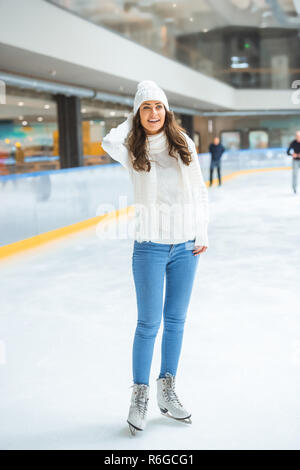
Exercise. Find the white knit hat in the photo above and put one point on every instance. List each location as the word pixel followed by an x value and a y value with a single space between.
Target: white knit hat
pixel 149 90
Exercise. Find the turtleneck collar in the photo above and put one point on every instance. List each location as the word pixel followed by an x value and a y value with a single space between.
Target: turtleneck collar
pixel 157 142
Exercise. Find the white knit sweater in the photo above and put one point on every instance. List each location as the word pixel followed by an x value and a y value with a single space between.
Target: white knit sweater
pixel 170 190
pixel 148 192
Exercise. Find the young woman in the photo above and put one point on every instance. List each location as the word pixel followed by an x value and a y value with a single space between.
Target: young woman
pixel 171 210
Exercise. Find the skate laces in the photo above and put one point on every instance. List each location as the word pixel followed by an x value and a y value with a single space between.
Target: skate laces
pixel 140 398
pixel 170 389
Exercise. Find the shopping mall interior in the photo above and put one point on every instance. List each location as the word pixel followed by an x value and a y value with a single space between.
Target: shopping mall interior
pixel 69 71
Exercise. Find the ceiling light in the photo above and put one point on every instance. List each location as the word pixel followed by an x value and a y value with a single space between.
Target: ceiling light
pixel 242 65
pixel 239 62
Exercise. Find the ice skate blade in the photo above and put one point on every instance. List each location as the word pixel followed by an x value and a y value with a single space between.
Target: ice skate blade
pixel 187 419
pixel 133 428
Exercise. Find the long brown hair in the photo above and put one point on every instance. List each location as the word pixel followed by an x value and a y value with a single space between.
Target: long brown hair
pixel 136 142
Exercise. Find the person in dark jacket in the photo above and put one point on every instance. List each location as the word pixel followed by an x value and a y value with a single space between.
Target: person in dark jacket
pixel 295 146
pixel 216 149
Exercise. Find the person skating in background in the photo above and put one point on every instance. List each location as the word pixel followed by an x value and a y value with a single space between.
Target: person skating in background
pixel 295 146
pixel 216 150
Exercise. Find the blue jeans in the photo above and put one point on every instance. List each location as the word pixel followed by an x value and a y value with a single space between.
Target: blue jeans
pixel 296 166
pixel 150 262
pixel 217 165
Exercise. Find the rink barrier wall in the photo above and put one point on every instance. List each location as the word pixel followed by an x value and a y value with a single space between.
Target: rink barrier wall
pixel 34 242
pixel 41 239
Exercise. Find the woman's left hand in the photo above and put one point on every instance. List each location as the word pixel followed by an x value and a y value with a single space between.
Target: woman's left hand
pixel 199 249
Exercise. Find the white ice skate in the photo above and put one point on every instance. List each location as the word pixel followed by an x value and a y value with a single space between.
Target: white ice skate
pixel 168 401
pixel 138 408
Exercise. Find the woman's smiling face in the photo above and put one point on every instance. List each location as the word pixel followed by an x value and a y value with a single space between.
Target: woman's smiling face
pixel 152 116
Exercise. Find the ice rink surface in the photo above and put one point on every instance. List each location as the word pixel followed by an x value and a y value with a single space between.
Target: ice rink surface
pixel 68 316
